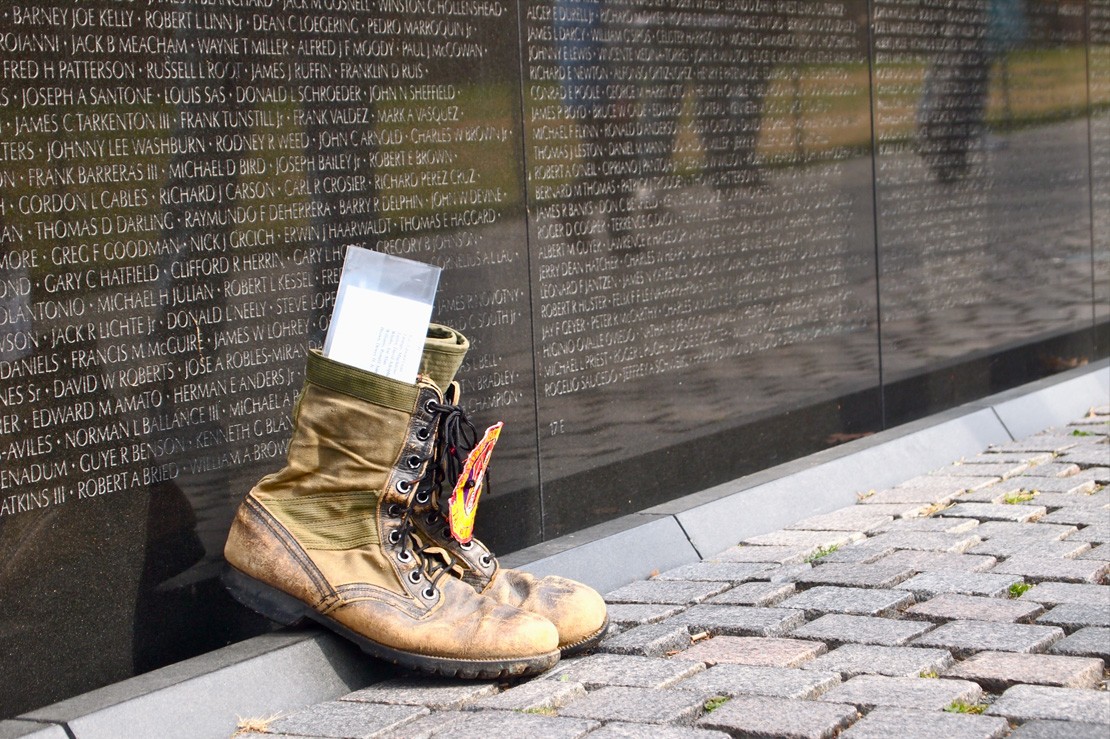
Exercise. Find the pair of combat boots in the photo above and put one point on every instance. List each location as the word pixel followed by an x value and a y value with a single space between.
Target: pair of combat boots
pixel 353 533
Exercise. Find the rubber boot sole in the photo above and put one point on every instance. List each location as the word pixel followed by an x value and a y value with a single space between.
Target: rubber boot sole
pixel 288 611
pixel 587 643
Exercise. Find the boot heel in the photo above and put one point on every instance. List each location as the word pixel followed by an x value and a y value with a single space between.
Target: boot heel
pixel 261 598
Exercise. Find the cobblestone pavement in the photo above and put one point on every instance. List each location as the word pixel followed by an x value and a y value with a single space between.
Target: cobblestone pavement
pixel 966 603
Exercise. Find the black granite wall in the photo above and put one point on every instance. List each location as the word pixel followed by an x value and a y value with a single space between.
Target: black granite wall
pixel 688 239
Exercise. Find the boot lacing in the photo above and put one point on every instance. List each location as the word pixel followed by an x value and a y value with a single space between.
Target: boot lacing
pixel 456 437
pixel 433 562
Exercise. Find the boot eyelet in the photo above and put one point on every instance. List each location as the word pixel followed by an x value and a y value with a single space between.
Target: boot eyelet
pixel 414 577
pixel 414 462
pixel 423 434
pixel 445 532
pixel 404 487
pixel 404 556
pixel 394 536
pixel 430 405
pixel 467 546
pixel 423 497
pixel 429 592
pixel 394 511
pixel 485 560
pixel 431 519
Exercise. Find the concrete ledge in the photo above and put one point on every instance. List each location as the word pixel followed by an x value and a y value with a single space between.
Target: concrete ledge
pixel 1055 404
pixel 642 545
pixel 16 729
pixel 207 695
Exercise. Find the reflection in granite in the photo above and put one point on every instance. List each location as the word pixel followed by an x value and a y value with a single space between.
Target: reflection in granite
pixel 687 241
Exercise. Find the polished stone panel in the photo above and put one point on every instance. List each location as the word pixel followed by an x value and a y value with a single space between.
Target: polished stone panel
pixel 983 191
pixel 701 231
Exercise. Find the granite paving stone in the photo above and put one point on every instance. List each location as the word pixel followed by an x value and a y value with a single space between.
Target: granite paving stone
pixel 1078 516
pixel 638 705
pixel 345 719
pixel 815 539
pixel 754 650
pixel 957 484
pixel 754 594
pixel 994 512
pixel 738 620
pixel 836 629
pixel 533 695
pixel 1074 616
pixel 857 601
pixel 980 467
pixel 1088 456
pixel 929 523
pixel 1059 730
pixel 1055 443
pixel 926 541
pixel 1100 552
pixel 425 727
pixel 431 692
pixel 1054 593
pixel 1009 547
pixel 921 561
pixel 994 457
pixel 787 573
pixel 1040 569
pixel 928 584
pixel 1011 530
pixel 1053 469
pixel 965 638
pixel 887 723
pixel 1095 533
pixel 764 716
pixel 855 575
pixel 650 640
pixel 637 614
pixel 1092 641
pixel 857 553
pixel 1029 702
pixel 732 572
pixel 619 730
pixel 938 492
pixel 1053 501
pixel 870 691
pixel 997 671
pixel 956 607
pixel 783 555
pixel 671 592
pixel 854 518
pixel 865 659
pixel 1070 485
pixel 1003 492
pixel 515 724
pixel 733 680
pixel 599 670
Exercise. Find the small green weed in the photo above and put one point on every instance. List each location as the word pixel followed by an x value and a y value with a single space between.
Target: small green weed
pixel 1081 432
pixel 715 702
pixel 961 707
pixel 931 674
pixel 1019 589
pixel 822 553
pixel 1023 497
pixel 542 711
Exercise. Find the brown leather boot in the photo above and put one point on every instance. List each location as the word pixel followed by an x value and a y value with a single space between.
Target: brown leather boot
pixel 577 610
pixel 332 537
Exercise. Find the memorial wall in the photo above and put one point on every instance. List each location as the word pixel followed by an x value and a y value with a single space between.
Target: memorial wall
pixel 687 240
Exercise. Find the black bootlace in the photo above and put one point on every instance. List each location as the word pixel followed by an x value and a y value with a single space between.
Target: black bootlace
pixel 456 437
pixel 433 567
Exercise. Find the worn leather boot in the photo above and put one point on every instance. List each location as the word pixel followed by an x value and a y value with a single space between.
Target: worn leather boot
pixel 577 610
pixel 332 537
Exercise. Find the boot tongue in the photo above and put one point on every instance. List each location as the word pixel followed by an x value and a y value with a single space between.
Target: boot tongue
pixel 444 350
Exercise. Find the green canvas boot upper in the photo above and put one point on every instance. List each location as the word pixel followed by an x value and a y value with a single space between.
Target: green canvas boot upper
pixel 577 610
pixel 332 535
